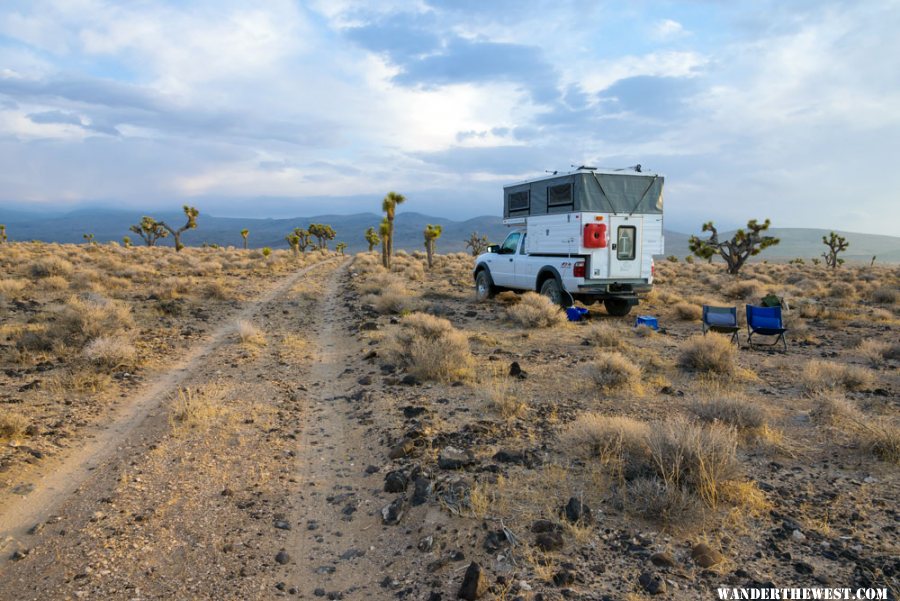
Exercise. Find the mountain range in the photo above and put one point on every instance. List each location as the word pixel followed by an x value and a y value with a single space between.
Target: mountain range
pixel 107 225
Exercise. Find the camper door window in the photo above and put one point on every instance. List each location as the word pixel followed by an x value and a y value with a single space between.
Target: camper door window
pixel 625 243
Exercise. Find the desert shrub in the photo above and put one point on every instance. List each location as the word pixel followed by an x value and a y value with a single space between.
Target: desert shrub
pixel 80 320
pixel 110 351
pixel 604 335
pixel 885 296
pixel 651 499
pixel 393 298
pixel 711 353
pixel 430 348
pixel 820 376
pixel 48 266
pixel 614 372
pixel 536 311
pixel 12 425
pixel 881 437
pixel 54 283
pixel 876 351
pixel 644 331
pixel 618 442
pixel 217 290
pixel 195 407
pixel 834 410
pixel 688 311
pixel 746 289
pixel 250 334
pixel 11 288
pixel 696 457
pixel 841 290
pixel 742 414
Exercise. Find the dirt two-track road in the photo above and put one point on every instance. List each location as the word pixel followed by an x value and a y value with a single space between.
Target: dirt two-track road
pixel 266 493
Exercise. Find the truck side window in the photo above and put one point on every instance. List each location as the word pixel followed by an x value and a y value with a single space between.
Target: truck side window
pixel 509 245
pixel 625 242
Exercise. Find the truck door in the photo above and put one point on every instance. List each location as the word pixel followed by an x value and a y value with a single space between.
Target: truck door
pixel 503 265
pixel 625 247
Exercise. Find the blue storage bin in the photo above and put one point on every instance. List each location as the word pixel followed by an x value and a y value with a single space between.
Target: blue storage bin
pixel 576 313
pixel 646 320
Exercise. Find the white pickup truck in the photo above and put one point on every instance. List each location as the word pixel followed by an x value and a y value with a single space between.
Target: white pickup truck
pixel 584 236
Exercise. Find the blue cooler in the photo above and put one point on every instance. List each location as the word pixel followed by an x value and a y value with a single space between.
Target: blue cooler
pixel 647 320
pixel 576 313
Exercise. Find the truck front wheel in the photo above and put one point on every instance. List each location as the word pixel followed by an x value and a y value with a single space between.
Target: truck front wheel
pixel 617 307
pixel 484 287
pixel 552 290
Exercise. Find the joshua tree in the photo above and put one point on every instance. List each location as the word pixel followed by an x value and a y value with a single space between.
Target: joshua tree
pixel 304 237
pixel 384 228
pixel 150 230
pixel 88 238
pixel 340 247
pixel 244 233
pixel 191 214
pixel 836 244
pixel 372 238
pixel 126 241
pixel 266 251
pixel 389 206
pixel 3 238
pixel 736 251
pixel 323 233
pixel 432 233
pixel 294 241
pixel 477 244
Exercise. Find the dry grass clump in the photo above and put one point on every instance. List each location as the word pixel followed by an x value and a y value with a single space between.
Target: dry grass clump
pixel 192 407
pixel 614 372
pixel 878 351
pixel 11 288
pixel 699 458
pixel 501 395
pixel 688 311
pixel 250 334
pixel 604 335
pixel 110 352
pixel 430 348
pixel 821 376
pixel 879 436
pixel 739 413
pixel 47 266
pixel 885 296
pixel 79 320
pixel 620 443
pixel 711 353
pixel 841 290
pixel 650 498
pixel 536 311
pixel 12 425
pixel 882 438
pixel 394 298
pixel 746 289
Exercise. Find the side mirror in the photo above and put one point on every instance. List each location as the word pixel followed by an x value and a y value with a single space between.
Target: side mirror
pixel 494 248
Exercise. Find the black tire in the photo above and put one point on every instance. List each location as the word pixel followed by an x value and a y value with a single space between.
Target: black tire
pixel 617 307
pixel 484 286
pixel 552 290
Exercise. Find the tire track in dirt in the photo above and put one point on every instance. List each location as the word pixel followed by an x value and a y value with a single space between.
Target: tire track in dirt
pixel 59 481
pixel 339 547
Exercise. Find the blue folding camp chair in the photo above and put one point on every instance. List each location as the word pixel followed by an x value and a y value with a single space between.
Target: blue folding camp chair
pixel 765 321
pixel 722 320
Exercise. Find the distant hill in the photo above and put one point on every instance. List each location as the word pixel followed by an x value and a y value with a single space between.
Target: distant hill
pixel 109 225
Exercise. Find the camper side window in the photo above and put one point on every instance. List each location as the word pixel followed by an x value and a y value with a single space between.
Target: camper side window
pixel 518 201
pixel 625 243
pixel 559 196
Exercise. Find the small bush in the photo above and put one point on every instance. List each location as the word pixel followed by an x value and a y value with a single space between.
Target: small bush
pixel 695 457
pixel 48 266
pixel 394 298
pixel 876 351
pixel 110 352
pixel 249 333
pixel 604 336
pixel 820 376
pixel 885 296
pixel 620 443
pixel 536 311
pixel 747 289
pixel 195 407
pixel 12 425
pixel 688 312
pixel 430 348
pixel 711 353
pixel 741 414
pixel 613 372
pixel 651 499
pixel 11 288
pixel 841 290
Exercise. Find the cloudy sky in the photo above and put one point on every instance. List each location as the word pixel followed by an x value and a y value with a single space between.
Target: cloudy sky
pixel 788 110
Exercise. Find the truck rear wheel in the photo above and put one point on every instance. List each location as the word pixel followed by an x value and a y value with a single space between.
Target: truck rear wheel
pixel 484 287
pixel 552 290
pixel 617 307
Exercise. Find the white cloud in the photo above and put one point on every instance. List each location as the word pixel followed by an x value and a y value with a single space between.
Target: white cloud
pixel 668 29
